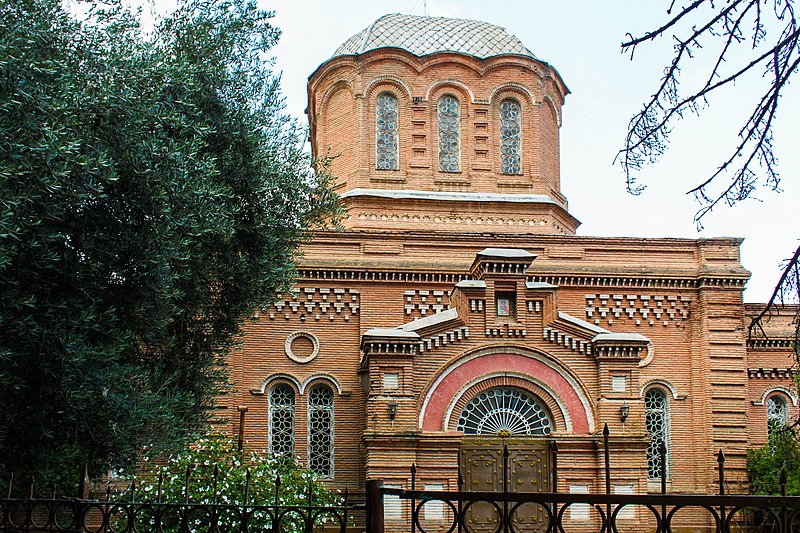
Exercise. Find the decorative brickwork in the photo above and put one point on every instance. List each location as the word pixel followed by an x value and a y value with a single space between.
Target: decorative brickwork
pixel 424 302
pixel 771 373
pixel 554 336
pixel 641 309
pixel 445 338
pixel 315 304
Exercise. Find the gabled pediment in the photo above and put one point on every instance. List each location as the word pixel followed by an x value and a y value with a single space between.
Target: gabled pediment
pixel 426 333
pixel 587 338
pixel 501 303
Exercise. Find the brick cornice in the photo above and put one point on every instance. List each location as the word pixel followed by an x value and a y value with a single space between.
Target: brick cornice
pixel 771 373
pixel 580 280
pixel 772 343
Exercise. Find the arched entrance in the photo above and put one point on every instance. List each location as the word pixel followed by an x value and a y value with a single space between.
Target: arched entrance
pixel 543 376
pixel 510 418
pixel 507 395
pixel 504 411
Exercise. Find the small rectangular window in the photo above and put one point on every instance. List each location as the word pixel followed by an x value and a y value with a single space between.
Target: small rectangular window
pixel 579 511
pixel 629 511
pixel 392 505
pixel 391 381
pixel 619 383
pixel 434 509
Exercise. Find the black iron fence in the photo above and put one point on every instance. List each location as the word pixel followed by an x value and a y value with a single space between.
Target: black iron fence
pixel 127 514
pixel 657 513
pixel 504 511
pixel 556 512
pixel 107 517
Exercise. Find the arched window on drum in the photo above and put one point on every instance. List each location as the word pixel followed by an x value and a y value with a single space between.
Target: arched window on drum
pixel 505 411
pixel 386 127
pixel 448 119
pixel 510 137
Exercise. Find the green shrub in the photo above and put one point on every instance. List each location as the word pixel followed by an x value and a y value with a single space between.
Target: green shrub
pixel 213 471
pixel 781 454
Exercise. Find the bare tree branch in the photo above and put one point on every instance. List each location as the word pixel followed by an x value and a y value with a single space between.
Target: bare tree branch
pixel 783 299
pixel 660 31
pixel 741 37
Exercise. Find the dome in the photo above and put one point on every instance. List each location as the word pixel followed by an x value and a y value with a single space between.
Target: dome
pixel 427 35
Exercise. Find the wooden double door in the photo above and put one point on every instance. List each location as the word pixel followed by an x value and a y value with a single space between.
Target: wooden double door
pixel 528 469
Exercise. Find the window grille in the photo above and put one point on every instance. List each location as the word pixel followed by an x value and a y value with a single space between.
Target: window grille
pixel 629 511
pixel 434 509
pixel 777 412
pixel 510 137
pixel 391 381
pixel 281 420
pixel 386 132
pixel 505 411
pixel 657 426
pixel 619 383
pixel 579 511
pixel 320 430
pixel 448 118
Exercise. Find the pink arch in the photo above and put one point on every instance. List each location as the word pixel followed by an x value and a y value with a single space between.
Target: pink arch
pixel 448 387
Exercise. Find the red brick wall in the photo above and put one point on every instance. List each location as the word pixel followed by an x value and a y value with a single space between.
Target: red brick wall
pixel 389 267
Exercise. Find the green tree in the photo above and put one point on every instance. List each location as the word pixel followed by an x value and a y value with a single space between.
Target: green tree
pixel 152 193
pixel 765 465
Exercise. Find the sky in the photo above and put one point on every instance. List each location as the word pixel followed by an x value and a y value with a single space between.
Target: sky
pixel 581 39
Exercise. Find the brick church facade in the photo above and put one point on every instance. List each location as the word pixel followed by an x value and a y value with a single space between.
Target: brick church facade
pixel 459 309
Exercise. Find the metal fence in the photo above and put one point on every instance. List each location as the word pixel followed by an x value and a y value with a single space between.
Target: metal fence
pixel 127 514
pixel 604 513
pixel 510 512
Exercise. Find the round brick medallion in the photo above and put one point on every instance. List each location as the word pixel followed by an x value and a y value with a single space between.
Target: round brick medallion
pixel 301 347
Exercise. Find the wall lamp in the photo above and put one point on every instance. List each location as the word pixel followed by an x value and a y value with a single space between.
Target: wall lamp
pixel 392 410
pixel 624 411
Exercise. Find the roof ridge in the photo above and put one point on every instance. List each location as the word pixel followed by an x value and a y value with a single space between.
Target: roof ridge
pixel 368 32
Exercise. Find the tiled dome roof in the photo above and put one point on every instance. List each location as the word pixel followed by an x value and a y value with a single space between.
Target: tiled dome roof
pixel 427 35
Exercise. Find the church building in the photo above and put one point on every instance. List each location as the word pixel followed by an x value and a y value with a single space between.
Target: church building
pixel 459 310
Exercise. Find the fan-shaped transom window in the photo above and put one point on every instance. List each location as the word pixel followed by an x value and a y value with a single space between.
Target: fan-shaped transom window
pixel 510 137
pixel 386 132
pixel 656 413
pixel 449 128
pixel 281 420
pixel 505 411
pixel 320 430
pixel 777 412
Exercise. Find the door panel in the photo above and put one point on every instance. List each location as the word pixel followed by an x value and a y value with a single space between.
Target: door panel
pixel 529 470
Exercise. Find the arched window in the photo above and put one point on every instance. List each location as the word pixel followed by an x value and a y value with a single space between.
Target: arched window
pixel 505 411
pixel 448 119
pixel 777 412
pixel 281 420
pixel 386 132
pixel 510 137
pixel 656 419
pixel 320 430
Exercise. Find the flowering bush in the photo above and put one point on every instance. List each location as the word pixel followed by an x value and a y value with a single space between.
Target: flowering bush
pixel 213 471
